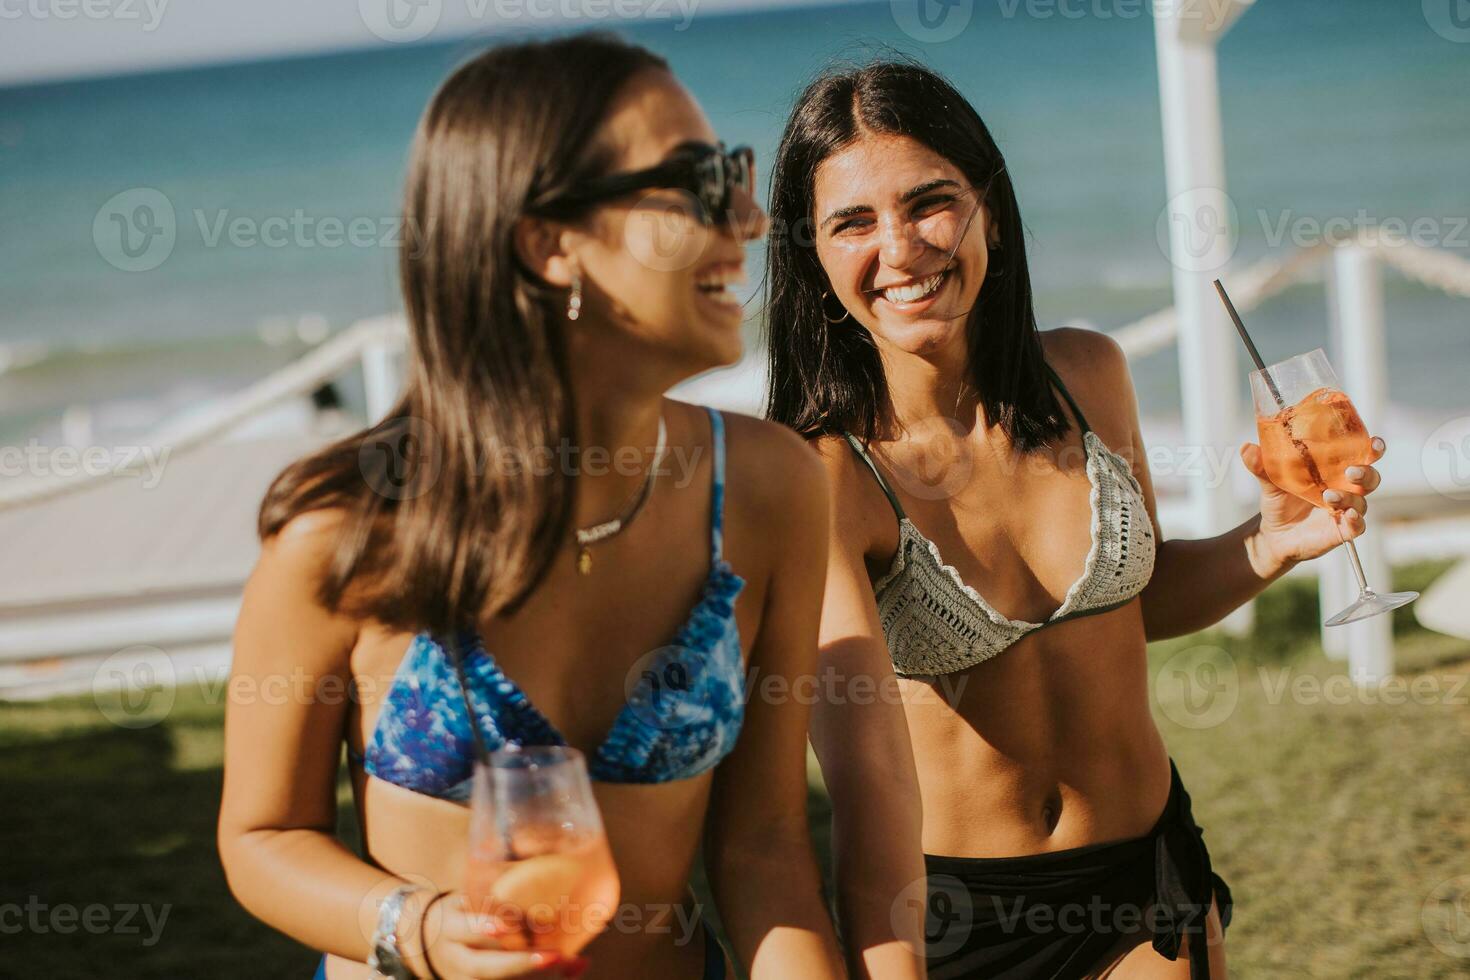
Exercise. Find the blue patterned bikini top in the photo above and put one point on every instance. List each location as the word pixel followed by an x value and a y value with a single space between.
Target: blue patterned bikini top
pixel 683 712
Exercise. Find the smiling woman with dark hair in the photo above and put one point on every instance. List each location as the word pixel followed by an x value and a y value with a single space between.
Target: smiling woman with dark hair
pixel 994 544
pixel 551 598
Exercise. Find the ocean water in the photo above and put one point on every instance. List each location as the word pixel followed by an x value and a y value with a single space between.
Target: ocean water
pixel 1347 109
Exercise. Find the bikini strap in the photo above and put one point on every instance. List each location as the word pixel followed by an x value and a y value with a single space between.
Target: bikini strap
pixel 857 447
pixel 1057 380
pixel 717 485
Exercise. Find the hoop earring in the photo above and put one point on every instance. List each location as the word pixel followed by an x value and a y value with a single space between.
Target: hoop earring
pixel 574 301
pixel 845 311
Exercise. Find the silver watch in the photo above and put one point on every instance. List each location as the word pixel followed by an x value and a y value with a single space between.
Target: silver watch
pixel 386 960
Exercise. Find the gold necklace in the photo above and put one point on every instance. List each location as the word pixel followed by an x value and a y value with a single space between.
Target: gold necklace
pixel 588 536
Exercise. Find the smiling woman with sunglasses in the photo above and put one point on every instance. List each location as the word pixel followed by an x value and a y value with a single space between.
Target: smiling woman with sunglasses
pixel 581 559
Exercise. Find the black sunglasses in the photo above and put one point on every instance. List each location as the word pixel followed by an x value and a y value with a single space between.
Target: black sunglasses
pixel 710 173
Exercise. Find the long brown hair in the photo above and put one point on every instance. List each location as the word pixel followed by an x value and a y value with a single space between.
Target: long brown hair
pixel 438 529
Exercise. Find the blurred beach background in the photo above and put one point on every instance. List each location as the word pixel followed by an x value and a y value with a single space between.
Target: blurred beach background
pixel 1330 109
pixel 1340 820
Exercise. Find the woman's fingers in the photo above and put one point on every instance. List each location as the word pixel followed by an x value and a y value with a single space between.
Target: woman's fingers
pixel 1250 456
pixel 1350 523
pixel 1379 447
pixel 1341 500
pixel 466 926
pixel 1364 478
pixel 500 965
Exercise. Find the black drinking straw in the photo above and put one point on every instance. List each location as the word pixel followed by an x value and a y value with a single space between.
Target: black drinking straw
pixel 1249 344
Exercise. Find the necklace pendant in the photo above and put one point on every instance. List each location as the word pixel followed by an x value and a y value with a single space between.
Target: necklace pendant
pixel 584 561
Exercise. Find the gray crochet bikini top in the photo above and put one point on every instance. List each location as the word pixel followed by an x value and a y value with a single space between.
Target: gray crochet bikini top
pixel 936 624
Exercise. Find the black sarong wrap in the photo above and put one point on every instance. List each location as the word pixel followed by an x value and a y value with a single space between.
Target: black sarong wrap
pixel 1057 915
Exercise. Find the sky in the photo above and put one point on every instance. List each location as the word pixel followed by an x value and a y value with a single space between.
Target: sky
pixel 49 40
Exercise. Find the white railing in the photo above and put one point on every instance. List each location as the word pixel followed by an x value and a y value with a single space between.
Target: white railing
pixel 375 347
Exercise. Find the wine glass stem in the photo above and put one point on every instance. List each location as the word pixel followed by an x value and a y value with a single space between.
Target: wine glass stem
pixel 1352 551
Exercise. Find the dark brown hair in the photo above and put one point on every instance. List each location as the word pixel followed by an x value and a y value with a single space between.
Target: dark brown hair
pixel 437 530
pixel 827 378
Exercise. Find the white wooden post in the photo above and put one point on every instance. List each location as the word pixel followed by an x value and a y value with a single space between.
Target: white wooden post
pixel 380 378
pixel 1360 356
pixel 1201 242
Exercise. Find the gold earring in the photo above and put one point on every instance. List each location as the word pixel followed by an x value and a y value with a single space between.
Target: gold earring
pixel 574 301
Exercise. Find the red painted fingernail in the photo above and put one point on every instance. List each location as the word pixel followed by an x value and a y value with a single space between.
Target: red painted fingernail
pixel 575 967
pixel 545 959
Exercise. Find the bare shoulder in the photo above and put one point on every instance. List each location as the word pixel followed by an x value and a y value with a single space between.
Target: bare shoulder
pixel 1081 352
pixel 773 466
pixel 284 586
pixel 1095 370
pixel 303 548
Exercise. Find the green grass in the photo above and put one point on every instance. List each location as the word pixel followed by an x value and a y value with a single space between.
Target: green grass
pixel 1334 823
